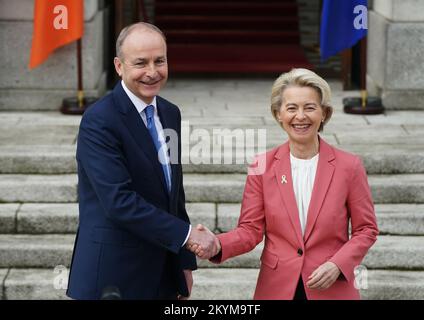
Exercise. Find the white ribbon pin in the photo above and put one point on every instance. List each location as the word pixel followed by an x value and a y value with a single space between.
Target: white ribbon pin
pixel 283 179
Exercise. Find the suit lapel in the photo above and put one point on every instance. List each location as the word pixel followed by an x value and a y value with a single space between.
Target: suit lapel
pixel 138 130
pixel 285 186
pixel 323 177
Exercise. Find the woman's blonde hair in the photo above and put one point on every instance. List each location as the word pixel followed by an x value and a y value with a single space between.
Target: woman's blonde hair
pixel 301 78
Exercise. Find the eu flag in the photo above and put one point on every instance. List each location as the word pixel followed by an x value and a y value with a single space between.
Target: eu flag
pixel 341 25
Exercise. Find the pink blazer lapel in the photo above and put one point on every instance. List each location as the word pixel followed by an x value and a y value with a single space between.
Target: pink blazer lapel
pixel 323 177
pixel 282 171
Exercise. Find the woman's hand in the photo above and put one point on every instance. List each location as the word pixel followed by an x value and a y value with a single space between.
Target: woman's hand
pixel 324 276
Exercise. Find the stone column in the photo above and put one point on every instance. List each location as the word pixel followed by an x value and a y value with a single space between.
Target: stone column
pixel 395 69
pixel 44 87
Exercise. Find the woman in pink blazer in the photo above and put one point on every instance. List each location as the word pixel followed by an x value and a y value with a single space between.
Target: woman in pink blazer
pixel 301 197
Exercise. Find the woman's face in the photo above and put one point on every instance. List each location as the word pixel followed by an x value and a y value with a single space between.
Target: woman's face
pixel 301 114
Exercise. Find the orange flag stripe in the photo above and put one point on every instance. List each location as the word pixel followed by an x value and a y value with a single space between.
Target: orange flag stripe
pixel 50 18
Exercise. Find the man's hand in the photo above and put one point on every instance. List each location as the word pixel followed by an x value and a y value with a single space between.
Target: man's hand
pixel 203 242
pixel 189 280
pixel 324 276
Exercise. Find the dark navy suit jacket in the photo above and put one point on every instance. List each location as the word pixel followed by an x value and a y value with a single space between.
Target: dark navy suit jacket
pixel 130 227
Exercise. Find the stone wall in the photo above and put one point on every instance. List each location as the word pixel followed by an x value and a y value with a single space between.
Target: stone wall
pixel 44 87
pixel 395 53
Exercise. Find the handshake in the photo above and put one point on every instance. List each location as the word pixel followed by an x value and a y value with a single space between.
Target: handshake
pixel 203 242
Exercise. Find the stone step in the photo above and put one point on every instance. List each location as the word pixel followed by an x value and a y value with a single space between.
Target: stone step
pixel 240 284
pixel 397 252
pixel 400 219
pixel 405 188
pixel 44 159
pixel 40 251
pixel 209 284
pixel 34 284
pixel 38 188
pixel 62 218
pixel 60 159
pixel 393 219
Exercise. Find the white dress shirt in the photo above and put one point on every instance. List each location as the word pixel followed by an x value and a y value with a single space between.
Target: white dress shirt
pixel 140 105
pixel 303 175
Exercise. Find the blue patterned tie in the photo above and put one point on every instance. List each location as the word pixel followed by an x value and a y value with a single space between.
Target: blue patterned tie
pixel 149 111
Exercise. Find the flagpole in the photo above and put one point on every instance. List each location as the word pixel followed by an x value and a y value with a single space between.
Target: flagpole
pixel 79 70
pixel 77 105
pixel 363 104
pixel 363 71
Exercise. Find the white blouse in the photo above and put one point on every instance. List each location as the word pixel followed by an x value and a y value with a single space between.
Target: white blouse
pixel 303 175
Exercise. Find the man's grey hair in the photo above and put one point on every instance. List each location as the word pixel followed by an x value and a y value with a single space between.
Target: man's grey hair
pixel 128 29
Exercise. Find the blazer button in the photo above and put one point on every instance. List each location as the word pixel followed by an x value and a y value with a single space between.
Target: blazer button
pixel 299 252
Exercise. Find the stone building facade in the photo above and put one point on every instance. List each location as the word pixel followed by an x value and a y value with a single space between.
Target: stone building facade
pixel 395 53
pixel 44 87
pixel 394 71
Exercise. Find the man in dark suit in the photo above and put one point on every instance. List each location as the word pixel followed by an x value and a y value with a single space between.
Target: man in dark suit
pixel 133 226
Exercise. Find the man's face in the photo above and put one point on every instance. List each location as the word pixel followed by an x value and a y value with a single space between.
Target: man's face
pixel 143 66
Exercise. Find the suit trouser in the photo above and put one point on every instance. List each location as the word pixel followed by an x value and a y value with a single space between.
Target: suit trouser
pixel 168 287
